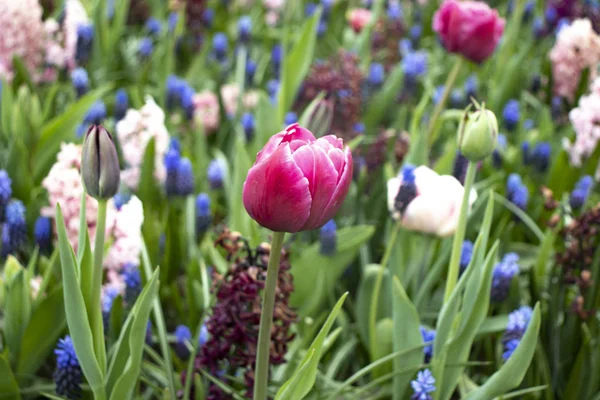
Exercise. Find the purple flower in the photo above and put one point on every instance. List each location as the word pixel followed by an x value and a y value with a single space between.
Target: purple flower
pixel 503 275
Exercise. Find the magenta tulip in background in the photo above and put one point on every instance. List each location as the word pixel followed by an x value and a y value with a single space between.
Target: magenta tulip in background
pixel 470 28
pixel 298 182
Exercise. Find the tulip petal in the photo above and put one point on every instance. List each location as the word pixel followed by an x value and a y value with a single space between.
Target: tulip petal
pixel 322 177
pixel 337 157
pixel 341 189
pixel 296 144
pixel 331 141
pixel 296 132
pixel 269 148
pixel 289 134
pixel 280 211
pixel 426 179
pixel 393 186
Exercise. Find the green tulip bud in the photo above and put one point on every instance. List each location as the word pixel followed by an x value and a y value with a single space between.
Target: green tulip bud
pixel 477 133
pixel 100 163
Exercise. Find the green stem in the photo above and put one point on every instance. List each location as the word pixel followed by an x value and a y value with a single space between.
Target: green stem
pixel 431 131
pixel 377 288
pixel 96 309
pixel 459 236
pixel 261 379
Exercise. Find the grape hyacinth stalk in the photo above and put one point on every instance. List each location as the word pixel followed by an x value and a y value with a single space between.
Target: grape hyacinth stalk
pixel 311 180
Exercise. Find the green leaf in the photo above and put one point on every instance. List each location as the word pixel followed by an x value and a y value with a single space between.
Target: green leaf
pixel 118 23
pixel 239 220
pixel 77 318
pixel 530 223
pixel 384 332
pixel 303 379
pixel 86 271
pixel 310 265
pixel 365 294
pixel 60 129
pixel 495 324
pixel 18 169
pixel 406 335
pixel 8 384
pixel 126 364
pixel 381 101
pixel 364 39
pixel 47 323
pixel 148 191
pixel 459 346
pixel 174 243
pixel 511 374
pixel 543 263
pixel 296 64
pixel 53 396
pixel 17 313
pixel 22 75
pixel 266 125
pixel 159 321
pixel 6 108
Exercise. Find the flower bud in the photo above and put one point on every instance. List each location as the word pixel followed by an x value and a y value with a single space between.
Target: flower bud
pixel 477 134
pixel 100 163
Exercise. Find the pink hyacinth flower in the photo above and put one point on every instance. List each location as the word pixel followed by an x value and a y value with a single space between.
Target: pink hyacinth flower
pixel 470 28
pixel 298 182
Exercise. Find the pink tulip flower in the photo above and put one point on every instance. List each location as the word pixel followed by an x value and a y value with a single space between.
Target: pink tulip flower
pixel 359 18
pixel 435 208
pixel 470 28
pixel 298 183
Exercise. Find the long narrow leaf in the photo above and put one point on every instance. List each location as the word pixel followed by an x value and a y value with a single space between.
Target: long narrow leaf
pixel 127 372
pixel 77 318
pixel 406 335
pixel 298 386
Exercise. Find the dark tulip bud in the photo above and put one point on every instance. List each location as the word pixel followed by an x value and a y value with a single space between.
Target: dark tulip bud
pixel 100 163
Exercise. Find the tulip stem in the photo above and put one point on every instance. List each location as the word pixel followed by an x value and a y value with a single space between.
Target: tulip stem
pixel 459 236
pixel 439 107
pixel 261 379
pixel 96 309
pixel 377 288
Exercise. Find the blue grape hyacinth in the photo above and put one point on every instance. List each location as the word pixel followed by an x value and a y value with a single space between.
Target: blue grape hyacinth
pixel 465 255
pixel 216 173
pixel 83 46
pixel 68 375
pixel 518 321
pixel 502 276
pixel 511 114
pixel 121 104
pixel 581 192
pixel 516 191
pixel 153 27
pixel 423 385
pixel 5 191
pixel 183 336
pixel 42 231
pixel 133 283
pixel 428 335
pixel 328 238
pixel 14 231
pixel 80 81
pixel 203 214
